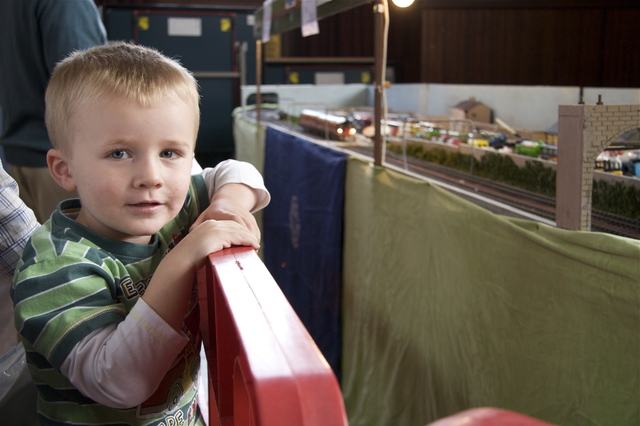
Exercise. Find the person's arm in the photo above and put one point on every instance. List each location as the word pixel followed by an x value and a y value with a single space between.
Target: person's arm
pixel 136 354
pixel 233 201
pixel 17 223
pixel 236 190
pixel 121 365
pixel 226 222
pixel 67 26
pixel 171 286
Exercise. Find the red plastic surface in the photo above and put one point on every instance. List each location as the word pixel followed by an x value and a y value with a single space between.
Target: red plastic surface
pixel 487 416
pixel 264 367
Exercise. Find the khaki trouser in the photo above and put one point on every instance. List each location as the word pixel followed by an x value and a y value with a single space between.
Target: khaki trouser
pixel 38 190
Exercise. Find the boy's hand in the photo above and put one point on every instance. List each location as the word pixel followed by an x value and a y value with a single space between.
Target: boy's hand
pixel 171 286
pixel 214 235
pixel 221 210
pixel 232 202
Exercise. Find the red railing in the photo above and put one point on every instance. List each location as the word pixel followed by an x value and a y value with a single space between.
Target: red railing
pixel 264 368
pixel 489 416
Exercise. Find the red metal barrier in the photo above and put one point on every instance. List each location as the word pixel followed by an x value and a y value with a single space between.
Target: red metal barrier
pixel 264 368
pixel 487 416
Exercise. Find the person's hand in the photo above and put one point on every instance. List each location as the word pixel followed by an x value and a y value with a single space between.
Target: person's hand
pixel 170 289
pixel 224 209
pixel 231 202
pixel 214 235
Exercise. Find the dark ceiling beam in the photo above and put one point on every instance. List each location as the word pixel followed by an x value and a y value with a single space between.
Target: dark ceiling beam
pixel 528 4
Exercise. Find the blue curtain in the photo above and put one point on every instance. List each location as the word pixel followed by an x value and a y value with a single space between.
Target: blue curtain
pixel 303 227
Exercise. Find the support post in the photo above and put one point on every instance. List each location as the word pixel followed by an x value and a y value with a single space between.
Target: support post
pixel 573 202
pixel 378 13
pixel 258 78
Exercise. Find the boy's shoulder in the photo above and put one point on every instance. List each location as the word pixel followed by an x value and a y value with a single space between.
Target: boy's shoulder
pixel 54 244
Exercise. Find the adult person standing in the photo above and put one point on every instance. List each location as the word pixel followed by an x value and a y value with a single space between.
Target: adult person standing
pixel 34 36
pixel 18 394
pixel 17 223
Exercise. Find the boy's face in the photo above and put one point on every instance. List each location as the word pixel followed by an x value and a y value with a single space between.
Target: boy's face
pixel 131 165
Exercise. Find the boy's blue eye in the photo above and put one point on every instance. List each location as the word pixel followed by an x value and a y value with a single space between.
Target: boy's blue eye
pixel 118 155
pixel 168 154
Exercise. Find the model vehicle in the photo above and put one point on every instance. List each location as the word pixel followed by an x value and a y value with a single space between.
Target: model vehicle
pixel 609 164
pixel 329 126
pixel 478 142
pixel 549 152
pixel 527 147
pixel 361 119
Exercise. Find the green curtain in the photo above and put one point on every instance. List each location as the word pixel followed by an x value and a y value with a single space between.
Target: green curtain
pixel 249 139
pixel 447 306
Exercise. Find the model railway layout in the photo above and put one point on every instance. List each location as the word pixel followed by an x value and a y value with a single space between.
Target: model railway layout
pixel 521 199
pixel 536 205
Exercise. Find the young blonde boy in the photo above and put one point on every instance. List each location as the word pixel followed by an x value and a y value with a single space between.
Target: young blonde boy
pixel 104 295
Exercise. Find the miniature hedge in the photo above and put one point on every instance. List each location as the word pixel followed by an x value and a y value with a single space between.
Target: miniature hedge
pixel 615 198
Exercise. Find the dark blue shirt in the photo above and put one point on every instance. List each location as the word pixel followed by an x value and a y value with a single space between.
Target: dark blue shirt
pixel 34 36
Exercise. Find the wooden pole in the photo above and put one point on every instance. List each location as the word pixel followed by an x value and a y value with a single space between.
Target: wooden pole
pixel 378 13
pixel 258 78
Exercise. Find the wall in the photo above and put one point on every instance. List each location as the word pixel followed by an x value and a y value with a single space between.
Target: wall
pixel 295 98
pixel 523 107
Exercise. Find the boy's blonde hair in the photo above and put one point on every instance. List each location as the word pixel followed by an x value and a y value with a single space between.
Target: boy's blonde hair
pixel 137 73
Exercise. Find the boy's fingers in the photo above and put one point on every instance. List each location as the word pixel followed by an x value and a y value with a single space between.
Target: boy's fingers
pixel 247 221
pixel 230 233
pixel 252 226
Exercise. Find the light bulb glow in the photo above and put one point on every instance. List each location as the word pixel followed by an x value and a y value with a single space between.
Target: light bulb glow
pixel 403 3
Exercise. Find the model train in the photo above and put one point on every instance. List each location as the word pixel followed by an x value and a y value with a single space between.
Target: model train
pixel 609 164
pixel 329 126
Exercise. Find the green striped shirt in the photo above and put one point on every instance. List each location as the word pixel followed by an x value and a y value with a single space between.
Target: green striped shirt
pixel 71 282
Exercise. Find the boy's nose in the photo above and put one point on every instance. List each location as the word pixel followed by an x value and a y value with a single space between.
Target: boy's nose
pixel 148 174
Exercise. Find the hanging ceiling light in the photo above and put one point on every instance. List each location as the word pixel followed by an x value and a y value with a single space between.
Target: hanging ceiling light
pixel 403 3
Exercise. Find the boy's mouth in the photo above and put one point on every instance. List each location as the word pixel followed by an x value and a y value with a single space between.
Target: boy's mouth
pixel 146 204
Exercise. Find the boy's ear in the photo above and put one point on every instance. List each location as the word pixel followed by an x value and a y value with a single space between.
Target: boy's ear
pixel 59 169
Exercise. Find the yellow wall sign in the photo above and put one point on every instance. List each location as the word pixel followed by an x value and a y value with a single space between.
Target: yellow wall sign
pixel 225 25
pixel 143 23
pixel 294 77
pixel 365 77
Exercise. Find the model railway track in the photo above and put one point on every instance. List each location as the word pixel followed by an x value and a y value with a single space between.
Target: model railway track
pixel 614 224
pixel 527 201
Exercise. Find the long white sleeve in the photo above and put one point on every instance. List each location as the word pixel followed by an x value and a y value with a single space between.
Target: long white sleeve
pixel 121 366
pixel 232 171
